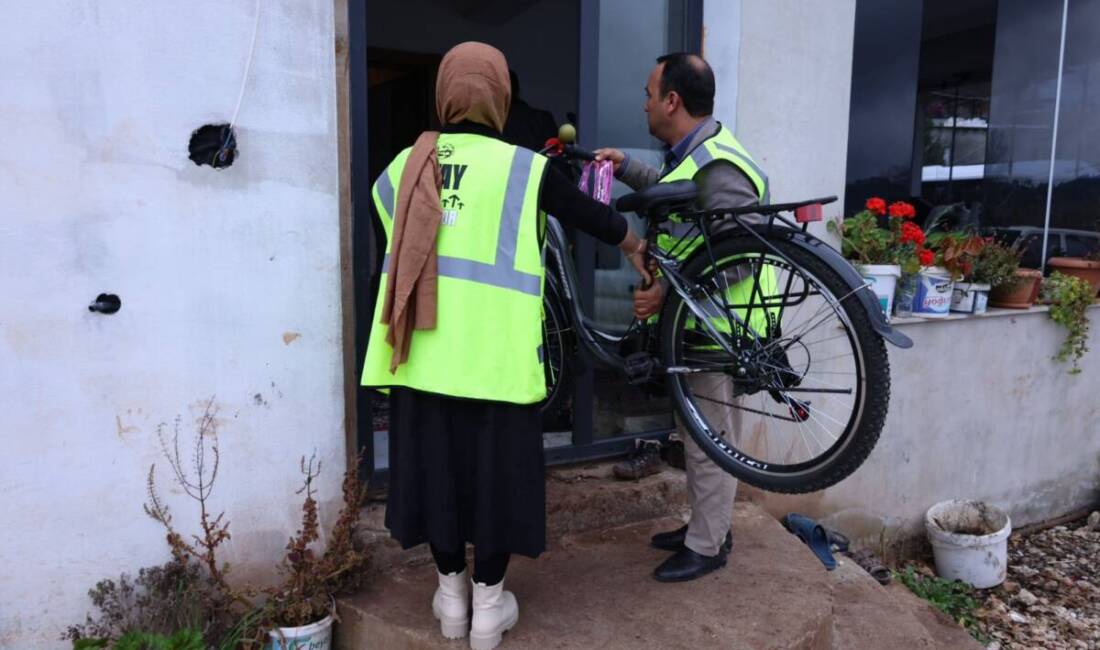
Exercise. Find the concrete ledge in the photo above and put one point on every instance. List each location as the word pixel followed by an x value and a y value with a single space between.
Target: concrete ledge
pixel 992 312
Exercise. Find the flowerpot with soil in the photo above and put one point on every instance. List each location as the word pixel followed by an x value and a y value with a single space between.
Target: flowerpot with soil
pixel 886 245
pixel 1078 267
pixel 1019 292
pixel 316 636
pixel 969 541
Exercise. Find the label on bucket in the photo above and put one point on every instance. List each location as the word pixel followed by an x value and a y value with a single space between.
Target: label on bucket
pixel 962 300
pixel 933 296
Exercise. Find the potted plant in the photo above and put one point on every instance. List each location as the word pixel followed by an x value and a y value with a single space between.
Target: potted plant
pixel 883 254
pixel 1016 290
pixel 1069 297
pixel 299 612
pixel 994 265
pixel 957 254
pixel 296 613
pixel 1087 268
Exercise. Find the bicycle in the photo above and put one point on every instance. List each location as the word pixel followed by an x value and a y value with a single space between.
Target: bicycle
pixel 812 391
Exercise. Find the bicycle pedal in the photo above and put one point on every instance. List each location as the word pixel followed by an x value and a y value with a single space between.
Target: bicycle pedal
pixel 639 367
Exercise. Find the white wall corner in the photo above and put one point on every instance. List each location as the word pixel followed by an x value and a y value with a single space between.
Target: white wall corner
pixel 792 78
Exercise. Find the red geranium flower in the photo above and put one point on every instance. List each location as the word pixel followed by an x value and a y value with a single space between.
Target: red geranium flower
pixel 902 210
pixel 911 232
pixel 926 257
pixel 876 205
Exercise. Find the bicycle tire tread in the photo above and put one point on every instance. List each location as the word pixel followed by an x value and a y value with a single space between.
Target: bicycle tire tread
pixel 876 371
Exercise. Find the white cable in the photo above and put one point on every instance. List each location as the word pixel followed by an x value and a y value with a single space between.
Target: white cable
pixel 247 65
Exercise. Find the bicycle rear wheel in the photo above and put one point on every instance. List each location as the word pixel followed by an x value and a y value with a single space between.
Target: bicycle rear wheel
pixel 808 378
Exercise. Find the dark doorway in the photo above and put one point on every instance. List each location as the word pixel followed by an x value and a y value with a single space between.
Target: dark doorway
pixel 575 61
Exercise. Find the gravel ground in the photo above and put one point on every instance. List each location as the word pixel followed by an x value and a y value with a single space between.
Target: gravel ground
pixel 1051 599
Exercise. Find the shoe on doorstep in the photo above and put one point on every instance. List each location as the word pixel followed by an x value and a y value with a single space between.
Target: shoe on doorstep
pixel 451 605
pixel 673 454
pixel 673 540
pixel 644 461
pixel 495 612
pixel 686 565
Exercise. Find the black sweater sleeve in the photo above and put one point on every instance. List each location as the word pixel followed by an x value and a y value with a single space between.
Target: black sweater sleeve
pixel 564 200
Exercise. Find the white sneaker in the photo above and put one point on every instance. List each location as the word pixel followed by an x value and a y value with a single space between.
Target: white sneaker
pixel 450 604
pixel 495 612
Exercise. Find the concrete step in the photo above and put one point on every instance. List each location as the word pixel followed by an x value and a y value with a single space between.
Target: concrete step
pixel 578 499
pixel 593 589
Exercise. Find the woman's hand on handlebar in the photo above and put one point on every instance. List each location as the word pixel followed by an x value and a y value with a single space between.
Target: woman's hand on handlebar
pixel 614 155
pixel 634 248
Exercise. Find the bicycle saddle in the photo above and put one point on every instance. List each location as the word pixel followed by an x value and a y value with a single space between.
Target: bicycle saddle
pixel 660 199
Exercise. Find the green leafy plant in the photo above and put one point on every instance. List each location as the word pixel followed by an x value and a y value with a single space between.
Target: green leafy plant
pixel 1069 299
pixel 952 597
pixel 957 252
pixel 180 640
pixel 901 242
pixel 996 264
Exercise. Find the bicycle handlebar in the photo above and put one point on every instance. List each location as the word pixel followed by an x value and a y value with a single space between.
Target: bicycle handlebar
pixel 564 145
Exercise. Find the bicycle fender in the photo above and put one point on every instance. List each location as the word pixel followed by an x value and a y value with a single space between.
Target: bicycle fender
pixel 863 293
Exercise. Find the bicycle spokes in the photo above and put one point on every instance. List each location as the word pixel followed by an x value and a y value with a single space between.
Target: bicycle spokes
pixel 794 373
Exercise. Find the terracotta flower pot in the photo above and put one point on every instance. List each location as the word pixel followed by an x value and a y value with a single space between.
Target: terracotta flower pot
pixel 1020 294
pixel 1078 268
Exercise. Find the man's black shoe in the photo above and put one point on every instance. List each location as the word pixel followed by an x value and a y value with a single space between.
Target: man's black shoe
pixel 673 540
pixel 686 565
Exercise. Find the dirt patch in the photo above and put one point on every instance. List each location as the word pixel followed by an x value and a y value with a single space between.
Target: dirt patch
pixel 1052 596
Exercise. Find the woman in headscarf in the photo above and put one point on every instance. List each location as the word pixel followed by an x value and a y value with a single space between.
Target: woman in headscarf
pixel 458 335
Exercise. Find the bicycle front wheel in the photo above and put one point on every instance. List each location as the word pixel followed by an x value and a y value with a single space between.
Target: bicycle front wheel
pixel 787 388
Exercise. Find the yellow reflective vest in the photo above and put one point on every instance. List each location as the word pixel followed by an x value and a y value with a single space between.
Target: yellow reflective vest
pixel 487 343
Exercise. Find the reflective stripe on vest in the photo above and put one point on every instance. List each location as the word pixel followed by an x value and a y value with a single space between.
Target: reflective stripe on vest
pixel 488 335
pixel 502 273
pixel 720 146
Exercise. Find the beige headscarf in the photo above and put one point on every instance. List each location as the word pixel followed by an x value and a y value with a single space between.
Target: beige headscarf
pixel 473 85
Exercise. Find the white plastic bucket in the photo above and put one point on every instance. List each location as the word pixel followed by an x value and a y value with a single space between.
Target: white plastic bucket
pixel 970 298
pixel 882 279
pixel 969 541
pixel 934 289
pixel 316 636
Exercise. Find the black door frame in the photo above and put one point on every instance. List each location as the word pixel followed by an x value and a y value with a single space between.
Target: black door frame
pixel 685 26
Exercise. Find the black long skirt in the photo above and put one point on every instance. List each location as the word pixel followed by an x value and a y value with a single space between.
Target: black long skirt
pixel 466 471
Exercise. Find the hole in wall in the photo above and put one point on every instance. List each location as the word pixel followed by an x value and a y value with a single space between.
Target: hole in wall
pixel 106 303
pixel 214 145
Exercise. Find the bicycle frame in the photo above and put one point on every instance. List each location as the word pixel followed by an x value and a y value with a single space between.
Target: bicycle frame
pixel 588 331
pixel 775 226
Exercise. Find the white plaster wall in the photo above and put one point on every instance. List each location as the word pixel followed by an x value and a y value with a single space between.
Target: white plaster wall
pixel 217 272
pixel 978 410
pixel 784 76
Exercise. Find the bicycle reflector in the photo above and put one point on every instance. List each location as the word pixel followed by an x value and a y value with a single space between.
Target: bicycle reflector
pixel 808 213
